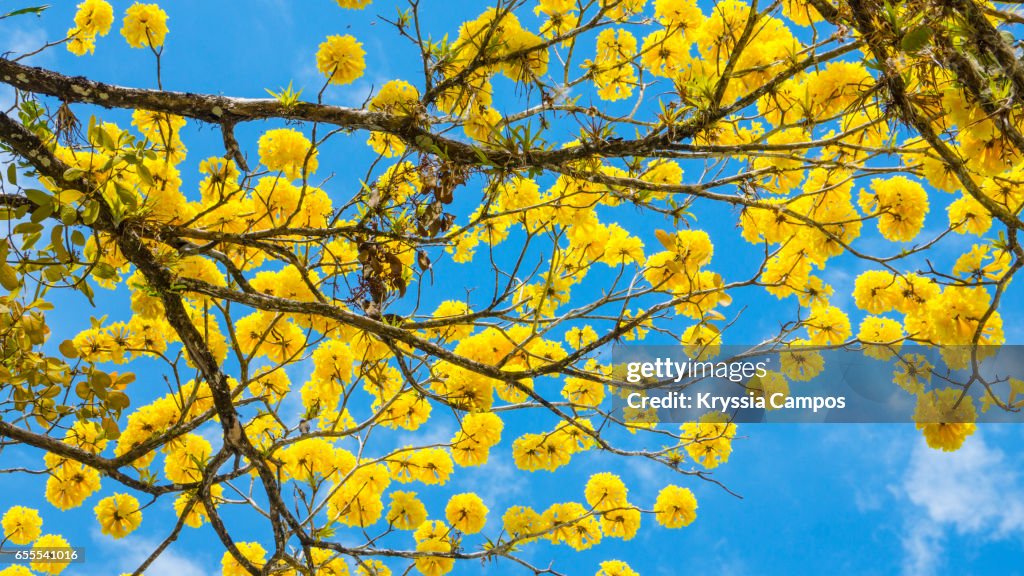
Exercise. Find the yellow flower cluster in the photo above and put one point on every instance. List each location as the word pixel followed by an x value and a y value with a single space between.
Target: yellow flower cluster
pixel 407 512
pixel 947 316
pixel 356 501
pixel 119 515
pixel 709 441
pixel 93 18
pixel 675 507
pixel 900 205
pixel 70 483
pixel 466 512
pixel 615 568
pixel 341 59
pixel 21 525
pixel 50 541
pixel 501 39
pixel 399 98
pixel 145 26
pixel 552 450
pixel 946 417
pixel 251 551
pixel 612 68
pixel 480 432
pixel 289 152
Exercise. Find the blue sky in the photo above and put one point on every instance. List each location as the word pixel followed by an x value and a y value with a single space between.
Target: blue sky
pixel 838 498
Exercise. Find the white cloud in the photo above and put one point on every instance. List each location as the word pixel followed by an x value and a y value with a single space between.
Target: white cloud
pixel 26 36
pixel 130 552
pixel 24 39
pixel 974 492
pixel 497 483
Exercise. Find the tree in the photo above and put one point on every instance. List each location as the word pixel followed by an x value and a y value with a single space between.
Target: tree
pixel 472 277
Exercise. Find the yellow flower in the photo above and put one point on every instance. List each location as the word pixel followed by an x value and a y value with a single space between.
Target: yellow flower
pixel 768 387
pixel 578 337
pixel 396 97
pixel 251 551
pixel 946 417
pixel 550 7
pixel 341 59
pixel 701 341
pixel 616 568
pixel 197 514
pixel 709 441
pixel 185 461
pixel 431 530
pixel 912 372
pixel 983 263
pixel 50 567
pixel 568 523
pixel 94 17
pixel 480 431
pixel 533 60
pixel 881 337
pixel 680 14
pixel 50 541
pixel 434 565
pixel 466 512
pixel 968 215
pixel 521 521
pixel 900 205
pixel 675 507
pixel 605 491
pixel 145 26
pixel 799 363
pixel 665 53
pixel 621 9
pixel 270 384
pixel 260 334
pixel 21 525
pixel 482 123
pixel 70 483
pixel 612 66
pixel 353 504
pixel 286 150
pixel 354 4
pixel 119 515
pixel 876 291
pixel 827 325
pixel 80 43
pixel 309 460
pixel 407 512
pixel 585 393
pixel 446 310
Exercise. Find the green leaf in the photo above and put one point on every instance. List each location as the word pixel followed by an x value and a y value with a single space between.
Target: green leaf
pixel 27 228
pixel 42 213
pixel 117 400
pixel 68 349
pixel 91 212
pixel 37 10
pixel 68 215
pixel 8 277
pixel 38 197
pixel 110 429
pixel 916 39
pixel 12 174
pixel 104 271
pixel 145 175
